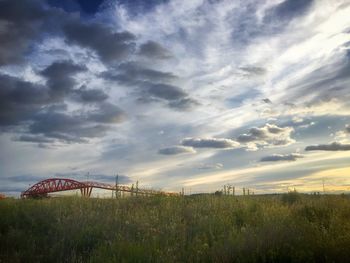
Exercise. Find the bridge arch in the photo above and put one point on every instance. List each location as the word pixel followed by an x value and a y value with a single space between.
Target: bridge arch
pixel 44 187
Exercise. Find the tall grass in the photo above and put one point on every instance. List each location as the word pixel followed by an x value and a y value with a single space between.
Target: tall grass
pixel 177 229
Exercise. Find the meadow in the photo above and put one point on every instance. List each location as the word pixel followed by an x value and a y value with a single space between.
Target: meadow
pixel 274 228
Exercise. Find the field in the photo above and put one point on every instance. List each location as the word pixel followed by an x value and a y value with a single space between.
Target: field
pixel 275 228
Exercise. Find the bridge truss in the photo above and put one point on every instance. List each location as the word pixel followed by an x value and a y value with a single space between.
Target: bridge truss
pixel 44 187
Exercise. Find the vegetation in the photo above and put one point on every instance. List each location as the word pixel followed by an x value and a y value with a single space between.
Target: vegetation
pixel 287 228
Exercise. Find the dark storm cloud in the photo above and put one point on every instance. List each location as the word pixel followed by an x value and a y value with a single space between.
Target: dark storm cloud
pixel 142 73
pixel 136 7
pixel 60 77
pixel 153 50
pixel 176 150
pixel 90 95
pixel 133 74
pixel 335 146
pixel 110 46
pixel 25 23
pixel 44 122
pixel 31 110
pixel 219 143
pixel 19 100
pixel 108 113
pixel 88 7
pixel 347 128
pixel 153 85
pixel 25 102
pixel 165 91
pixel 153 91
pixel 288 9
pixel 281 157
pixel 20 23
pixel 65 128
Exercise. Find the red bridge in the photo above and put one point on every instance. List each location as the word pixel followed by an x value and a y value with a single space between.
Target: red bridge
pixel 43 188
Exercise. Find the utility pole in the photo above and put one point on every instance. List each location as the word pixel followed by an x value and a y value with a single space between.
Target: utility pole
pixel 243 191
pixel 137 188
pixel 233 190
pixel 132 190
pixel 116 186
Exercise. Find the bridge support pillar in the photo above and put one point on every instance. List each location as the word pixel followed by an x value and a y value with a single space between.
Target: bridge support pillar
pixel 86 191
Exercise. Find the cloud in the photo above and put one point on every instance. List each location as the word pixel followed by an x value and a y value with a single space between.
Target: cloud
pixel 107 113
pixel 20 100
pixel 267 101
pixel 268 135
pixel 165 91
pixel 89 7
pixel 135 70
pixel 176 150
pixel 183 104
pixel 219 143
pixel 153 50
pixel 253 70
pixel 335 146
pixel 60 78
pixel 152 85
pixel 31 138
pixel 20 24
pixel 281 157
pixel 326 83
pixel 347 128
pixel 215 166
pixel 288 9
pixel 85 95
pixel 24 103
pixel 109 45
pixel 66 128
pixel 133 74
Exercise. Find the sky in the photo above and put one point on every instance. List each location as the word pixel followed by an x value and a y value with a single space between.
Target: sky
pixel 176 94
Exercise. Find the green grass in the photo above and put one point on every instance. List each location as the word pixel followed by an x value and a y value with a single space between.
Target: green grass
pixel 285 228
